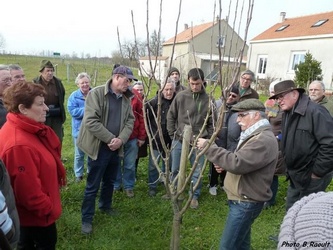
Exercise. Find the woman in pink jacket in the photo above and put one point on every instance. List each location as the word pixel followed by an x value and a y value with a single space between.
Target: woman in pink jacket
pixel 31 153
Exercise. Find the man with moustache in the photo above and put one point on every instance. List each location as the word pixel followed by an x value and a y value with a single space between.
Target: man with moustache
pixel 250 169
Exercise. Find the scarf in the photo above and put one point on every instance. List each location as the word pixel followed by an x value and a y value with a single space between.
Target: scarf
pixel 48 138
pixel 245 134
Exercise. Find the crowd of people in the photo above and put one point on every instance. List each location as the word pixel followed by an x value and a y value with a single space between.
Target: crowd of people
pixel 113 124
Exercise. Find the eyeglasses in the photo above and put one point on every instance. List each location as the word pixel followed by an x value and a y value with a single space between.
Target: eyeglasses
pixel 247 79
pixel 242 115
pixel 281 96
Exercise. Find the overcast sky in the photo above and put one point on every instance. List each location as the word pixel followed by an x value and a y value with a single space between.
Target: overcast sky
pixel 90 26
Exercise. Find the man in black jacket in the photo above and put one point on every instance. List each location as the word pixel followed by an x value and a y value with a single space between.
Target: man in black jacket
pixel 307 141
pixel 167 95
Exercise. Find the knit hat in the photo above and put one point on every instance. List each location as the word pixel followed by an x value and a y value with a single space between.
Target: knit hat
pixel 234 89
pixel 173 69
pixel 309 221
pixel 249 104
pixel 45 64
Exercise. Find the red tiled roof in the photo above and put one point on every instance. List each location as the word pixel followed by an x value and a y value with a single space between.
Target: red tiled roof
pixel 153 58
pixel 299 27
pixel 187 34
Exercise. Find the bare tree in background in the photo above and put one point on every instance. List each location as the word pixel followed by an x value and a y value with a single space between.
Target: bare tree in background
pixel 2 41
pixel 177 188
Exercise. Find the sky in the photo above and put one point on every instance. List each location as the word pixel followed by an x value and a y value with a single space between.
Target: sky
pixel 90 27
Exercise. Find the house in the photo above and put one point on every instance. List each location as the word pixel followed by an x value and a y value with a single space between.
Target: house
pixel 198 46
pixel 159 65
pixel 275 52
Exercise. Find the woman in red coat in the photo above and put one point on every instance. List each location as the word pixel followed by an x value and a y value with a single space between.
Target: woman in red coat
pixel 31 153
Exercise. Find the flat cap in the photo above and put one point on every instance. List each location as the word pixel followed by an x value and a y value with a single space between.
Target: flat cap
pixel 249 104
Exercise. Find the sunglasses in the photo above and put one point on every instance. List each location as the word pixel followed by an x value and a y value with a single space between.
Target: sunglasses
pixel 233 95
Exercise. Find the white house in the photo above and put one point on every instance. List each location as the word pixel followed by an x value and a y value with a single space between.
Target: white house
pixel 275 52
pixel 159 64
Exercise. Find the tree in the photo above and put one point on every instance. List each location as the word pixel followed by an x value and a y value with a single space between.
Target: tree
pixel 2 41
pixel 177 187
pixel 308 71
pixel 155 44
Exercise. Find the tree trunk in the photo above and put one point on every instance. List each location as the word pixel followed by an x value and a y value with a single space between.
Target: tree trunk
pixel 177 203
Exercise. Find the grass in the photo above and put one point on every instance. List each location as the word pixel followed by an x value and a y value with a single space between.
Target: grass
pixel 143 222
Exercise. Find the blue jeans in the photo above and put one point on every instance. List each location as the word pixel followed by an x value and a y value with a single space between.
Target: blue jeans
pixel 175 154
pixel 79 160
pixel 103 169
pixel 237 230
pixel 153 175
pixel 126 175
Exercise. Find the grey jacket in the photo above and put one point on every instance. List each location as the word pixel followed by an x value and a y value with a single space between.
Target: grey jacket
pixel 93 129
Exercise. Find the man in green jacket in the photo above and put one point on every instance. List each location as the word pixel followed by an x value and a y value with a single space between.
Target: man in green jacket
pixel 106 126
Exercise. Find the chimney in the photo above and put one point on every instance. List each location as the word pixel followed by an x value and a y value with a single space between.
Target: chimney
pixel 282 17
pixel 185 26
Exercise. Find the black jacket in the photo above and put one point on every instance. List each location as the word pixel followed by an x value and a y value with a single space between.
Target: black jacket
pixel 151 109
pixel 307 141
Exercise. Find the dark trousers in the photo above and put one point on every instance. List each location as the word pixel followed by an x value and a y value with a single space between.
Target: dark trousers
pixel 214 176
pixel 56 124
pixel 41 238
pixel 102 175
pixel 316 185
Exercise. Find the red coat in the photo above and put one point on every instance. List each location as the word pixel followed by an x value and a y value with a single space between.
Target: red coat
pixel 139 130
pixel 31 153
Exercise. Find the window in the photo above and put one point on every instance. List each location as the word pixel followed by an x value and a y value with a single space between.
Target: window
pixel 261 66
pixel 296 58
pixel 283 27
pixel 220 42
pixel 319 23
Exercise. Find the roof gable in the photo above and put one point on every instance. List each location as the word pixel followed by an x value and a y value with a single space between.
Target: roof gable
pixel 190 32
pixel 300 27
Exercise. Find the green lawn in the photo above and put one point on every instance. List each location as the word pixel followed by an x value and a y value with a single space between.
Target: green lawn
pixel 143 222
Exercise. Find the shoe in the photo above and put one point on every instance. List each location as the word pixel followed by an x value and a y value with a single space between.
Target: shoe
pixel 129 193
pixel 267 205
pixel 274 238
pixel 79 179
pixel 213 190
pixel 109 212
pixel 194 204
pixel 152 192
pixel 86 228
